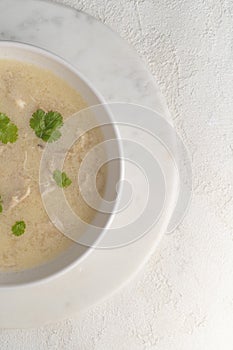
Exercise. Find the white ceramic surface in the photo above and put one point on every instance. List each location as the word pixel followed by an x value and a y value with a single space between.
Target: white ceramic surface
pixel 182 299
pixel 118 74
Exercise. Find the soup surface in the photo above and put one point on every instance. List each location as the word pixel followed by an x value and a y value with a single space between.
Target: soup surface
pixel 24 89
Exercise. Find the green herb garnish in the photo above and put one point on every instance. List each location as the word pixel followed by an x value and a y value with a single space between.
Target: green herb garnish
pixel 47 125
pixel 61 179
pixel 8 130
pixel 1 209
pixel 18 228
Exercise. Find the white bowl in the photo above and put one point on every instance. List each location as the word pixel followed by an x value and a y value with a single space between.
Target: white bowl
pixel 70 258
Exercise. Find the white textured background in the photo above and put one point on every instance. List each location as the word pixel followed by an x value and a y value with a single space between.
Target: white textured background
pixel 183 299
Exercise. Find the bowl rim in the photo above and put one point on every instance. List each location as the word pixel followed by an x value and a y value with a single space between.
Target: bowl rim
pixel 53 56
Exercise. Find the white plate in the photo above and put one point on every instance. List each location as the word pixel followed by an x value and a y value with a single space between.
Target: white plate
pixel 116 71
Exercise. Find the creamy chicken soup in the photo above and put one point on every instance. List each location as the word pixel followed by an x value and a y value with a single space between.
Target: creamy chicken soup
pixel 25 89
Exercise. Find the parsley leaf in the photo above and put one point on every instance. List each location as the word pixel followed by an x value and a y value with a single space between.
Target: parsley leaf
pixel 61 179
pixel 18 228
pixel 47 125
pixel 8 130
pixel 1 209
